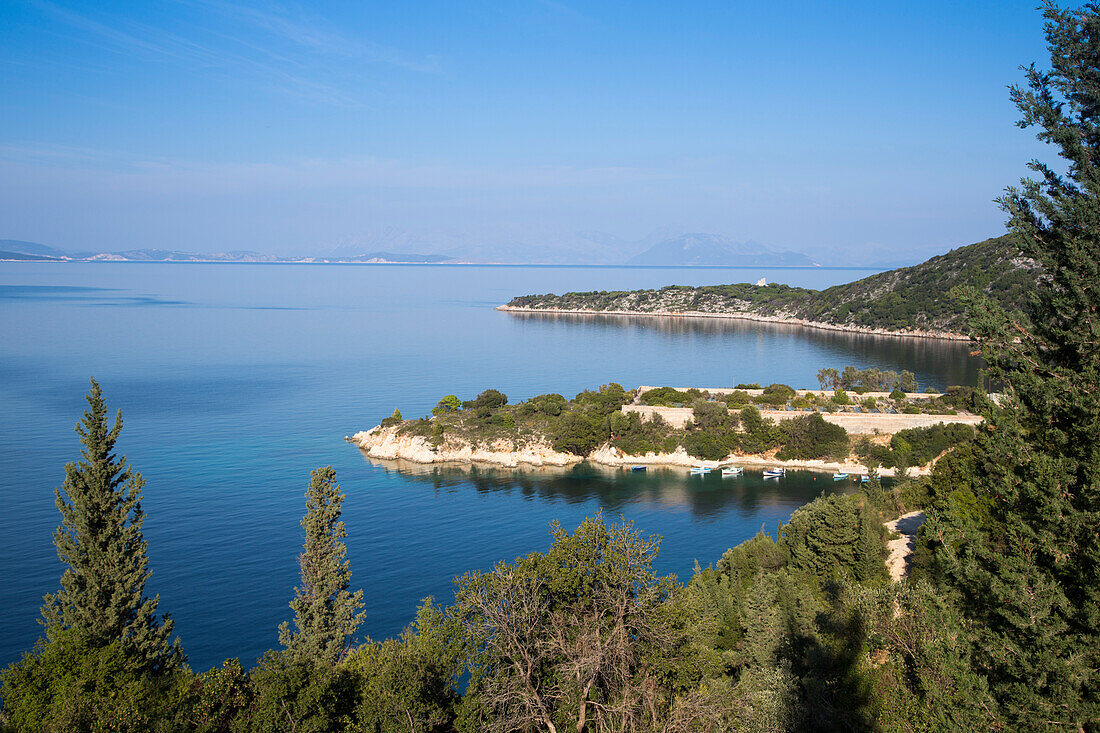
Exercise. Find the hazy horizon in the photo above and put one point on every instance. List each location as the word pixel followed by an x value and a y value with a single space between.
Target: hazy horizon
pixel 856 135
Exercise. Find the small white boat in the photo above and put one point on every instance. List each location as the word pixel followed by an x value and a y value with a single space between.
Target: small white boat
pixel 839 476
pixel 637 469
pixel 864 479
pixel 699 470
pixel 732 471
pixel 774 472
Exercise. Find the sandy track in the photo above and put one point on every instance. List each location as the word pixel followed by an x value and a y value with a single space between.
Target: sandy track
pixel 901 549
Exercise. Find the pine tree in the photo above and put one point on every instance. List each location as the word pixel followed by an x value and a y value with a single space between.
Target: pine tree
pixel 1026 574
pixel 326 613
pixel 102 595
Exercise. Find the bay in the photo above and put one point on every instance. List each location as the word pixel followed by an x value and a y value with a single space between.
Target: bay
pixel 236 380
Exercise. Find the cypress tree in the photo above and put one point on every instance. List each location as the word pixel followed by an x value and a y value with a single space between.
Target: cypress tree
pixel 102 595
pixel 326 613
pixel 1025 572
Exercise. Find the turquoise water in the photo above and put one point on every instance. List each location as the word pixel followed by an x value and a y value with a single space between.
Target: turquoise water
pixel 236 380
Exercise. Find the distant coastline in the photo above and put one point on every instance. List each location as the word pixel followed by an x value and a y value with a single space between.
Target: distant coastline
pixel 866 330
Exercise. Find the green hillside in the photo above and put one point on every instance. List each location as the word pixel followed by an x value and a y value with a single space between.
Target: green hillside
pixel 909 298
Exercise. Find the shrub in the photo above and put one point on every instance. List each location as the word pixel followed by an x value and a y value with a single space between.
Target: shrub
pixel 577 432
pixel 635 436
pixel 549 404
pixel 706 445
pixel 897 394
pixel 809 437
pixel 450 403
pixel 775 394
pixel 837 532
pixel 665 396
pixel 737 398
pixel 759 434
pixel 491 398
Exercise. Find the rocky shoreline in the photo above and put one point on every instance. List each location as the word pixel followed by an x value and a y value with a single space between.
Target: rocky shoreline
pixel 942 335
pixel 386 444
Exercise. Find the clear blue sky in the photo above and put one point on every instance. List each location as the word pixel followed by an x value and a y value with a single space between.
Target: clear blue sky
pixel 859 128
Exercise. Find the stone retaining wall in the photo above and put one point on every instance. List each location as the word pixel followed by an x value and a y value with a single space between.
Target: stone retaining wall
pixel 856 423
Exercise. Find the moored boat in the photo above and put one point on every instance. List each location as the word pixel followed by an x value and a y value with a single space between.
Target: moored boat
pixel 637 468
pixel 839 476
pixel 699 470
pixel 774 472
pixel 732 471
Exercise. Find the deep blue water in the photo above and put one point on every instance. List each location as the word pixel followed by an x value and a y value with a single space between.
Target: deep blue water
pixel 236 380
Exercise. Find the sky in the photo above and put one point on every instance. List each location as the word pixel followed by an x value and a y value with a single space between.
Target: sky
pixel 854 131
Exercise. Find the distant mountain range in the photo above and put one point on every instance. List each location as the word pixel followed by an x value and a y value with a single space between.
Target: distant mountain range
pixel 17 250
pixel 714 249
pixel 536 248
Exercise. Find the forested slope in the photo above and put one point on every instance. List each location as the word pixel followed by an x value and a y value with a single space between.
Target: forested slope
pixel 914 298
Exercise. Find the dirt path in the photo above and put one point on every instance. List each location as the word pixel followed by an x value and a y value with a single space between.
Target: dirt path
pixel 901 549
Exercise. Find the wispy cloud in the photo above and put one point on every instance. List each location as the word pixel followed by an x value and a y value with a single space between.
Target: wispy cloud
pixel 168 175
pixel 310 33
pixel 290 54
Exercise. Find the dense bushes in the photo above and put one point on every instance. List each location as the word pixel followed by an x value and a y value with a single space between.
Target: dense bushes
pixel 758 433
pixel 914 446
pixel 635 436
pixel 837 534
pixel 794 618
pixel 666 396
pixel 809 437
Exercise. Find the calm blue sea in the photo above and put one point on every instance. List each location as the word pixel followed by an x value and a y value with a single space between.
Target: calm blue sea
pixel 236 380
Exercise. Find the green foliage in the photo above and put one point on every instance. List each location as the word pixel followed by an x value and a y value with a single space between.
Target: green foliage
pixel 897 394
pixel 758 433
pixel 964 398
pixel 666 396
pixel 449 403
pixel 841 398
pixel 775 394
pixel 290 693
pixel 634 436
pixel 1015 553
pixel 584 634
pixel 102 595
pixel 548 404
pixel 837 534
pixel 491 398
pixel 914 446
pixel 394 419
pixel 578 433
pixel 410 683
pixel 809 437
pixel 215 698
pixel 712 434
pixel 737 398
pixel 326 613
pixel 924 444
pixel 794 621
pixel 68 683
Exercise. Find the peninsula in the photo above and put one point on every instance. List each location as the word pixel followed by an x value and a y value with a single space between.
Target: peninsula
pixel 891 432
pixel 918 301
